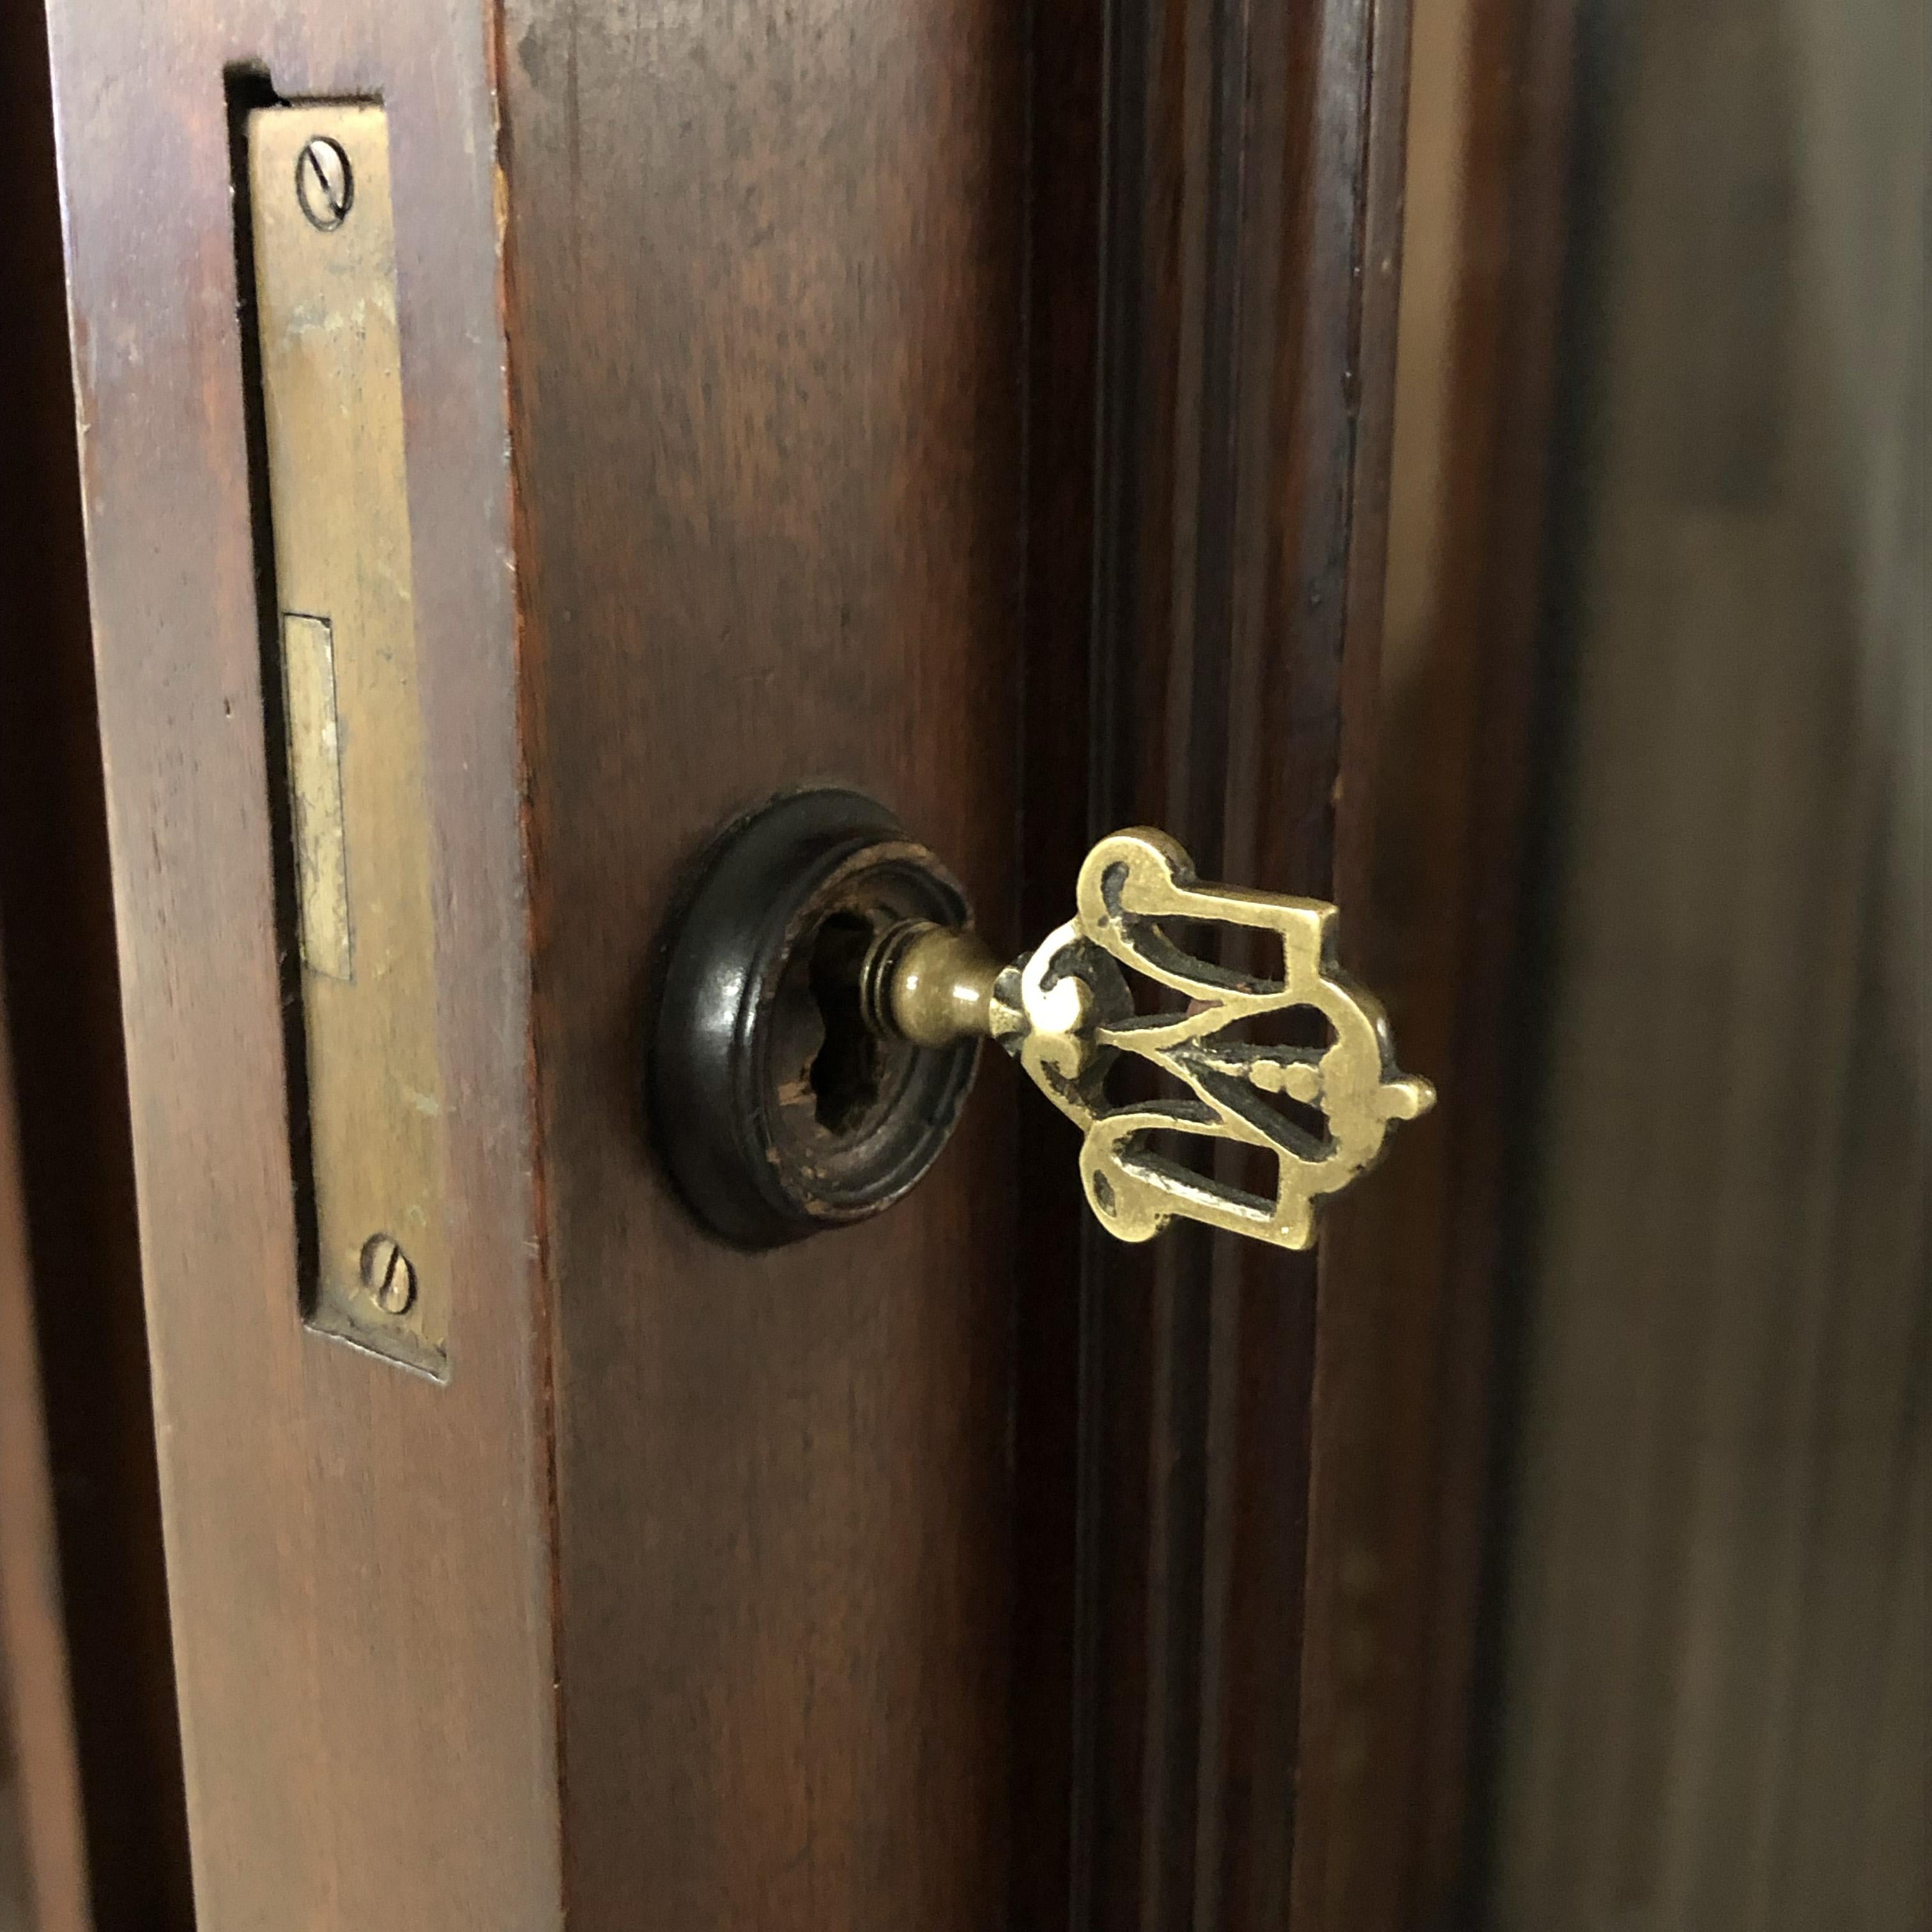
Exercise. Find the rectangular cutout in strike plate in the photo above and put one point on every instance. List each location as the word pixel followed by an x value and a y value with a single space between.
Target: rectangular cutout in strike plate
pixel 322 227
pixel 328 942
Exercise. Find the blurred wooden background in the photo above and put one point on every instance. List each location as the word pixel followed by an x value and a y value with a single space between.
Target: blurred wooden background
pixel 1711 1693
pixel 1667 1446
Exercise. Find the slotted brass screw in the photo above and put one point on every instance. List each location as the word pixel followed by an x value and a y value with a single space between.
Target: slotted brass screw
pixel 389 1274
pixel 324 185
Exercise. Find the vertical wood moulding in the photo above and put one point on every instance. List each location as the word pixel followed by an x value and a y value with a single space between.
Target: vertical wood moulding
pixel 1503 389
pixel 1246 192
pixel 1366 72
pixel 1054 1687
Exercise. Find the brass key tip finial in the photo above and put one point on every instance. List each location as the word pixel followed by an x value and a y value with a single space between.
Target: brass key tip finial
pixel 931 984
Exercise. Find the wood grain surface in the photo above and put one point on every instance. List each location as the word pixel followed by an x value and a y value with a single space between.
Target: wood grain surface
pixel 358 1560
pixel 995 424
pixel 85 1337
pixel 766 321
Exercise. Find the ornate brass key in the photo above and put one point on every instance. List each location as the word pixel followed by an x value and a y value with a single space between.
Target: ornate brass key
pixel 825 993
pixel 1066 1012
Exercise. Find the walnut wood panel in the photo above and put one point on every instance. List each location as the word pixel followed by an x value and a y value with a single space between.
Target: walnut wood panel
pixel 81 1366
pixel 359 1559
pixel 765 320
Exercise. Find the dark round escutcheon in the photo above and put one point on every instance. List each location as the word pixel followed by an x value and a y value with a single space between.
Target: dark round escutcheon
pixel 779 1112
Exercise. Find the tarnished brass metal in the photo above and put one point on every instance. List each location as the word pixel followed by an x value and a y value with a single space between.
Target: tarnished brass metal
pixel 1066 1012
pixel 931 984
pixel 314 727
pixel 332 408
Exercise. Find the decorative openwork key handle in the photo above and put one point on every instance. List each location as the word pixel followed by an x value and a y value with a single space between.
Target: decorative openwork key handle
pixel 825 993
pixel 1066 1012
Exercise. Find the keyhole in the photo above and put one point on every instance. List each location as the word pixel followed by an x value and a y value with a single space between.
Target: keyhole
pixel 848 1068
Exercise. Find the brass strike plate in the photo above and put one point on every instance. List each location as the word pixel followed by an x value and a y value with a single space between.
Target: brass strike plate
pixel 332 409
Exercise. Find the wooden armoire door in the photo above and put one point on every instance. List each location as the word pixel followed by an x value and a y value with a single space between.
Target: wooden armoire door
pixel 984 407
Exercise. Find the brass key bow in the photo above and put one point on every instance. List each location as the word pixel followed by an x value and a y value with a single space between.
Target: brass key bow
pixel 1066 1012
